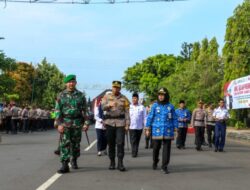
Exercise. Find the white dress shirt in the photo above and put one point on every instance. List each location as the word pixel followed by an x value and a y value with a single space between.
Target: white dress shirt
pixel 137 116
pixel 221 113
pixel 98 120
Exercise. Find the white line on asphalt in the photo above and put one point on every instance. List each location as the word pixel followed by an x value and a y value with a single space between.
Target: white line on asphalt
pixel 49 182
pixel 56 176
pixel 90 146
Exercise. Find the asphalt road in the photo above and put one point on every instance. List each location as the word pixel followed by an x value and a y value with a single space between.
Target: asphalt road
pixel 27 161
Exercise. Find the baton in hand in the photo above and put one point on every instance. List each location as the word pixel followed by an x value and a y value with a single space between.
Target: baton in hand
pixel 127 140
pixel 87 137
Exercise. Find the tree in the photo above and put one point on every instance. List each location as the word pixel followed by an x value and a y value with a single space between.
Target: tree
pixel 146 76
pixel 23 76
pixel 199 78
pixel 47 83
pixel 7 83
pixel 186 50
pixel 196 51
pixel 236 51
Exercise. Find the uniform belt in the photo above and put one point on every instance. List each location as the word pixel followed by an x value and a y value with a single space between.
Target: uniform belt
pixel 114 117
pixel 199 120
pixel 72 118
pixel 221 121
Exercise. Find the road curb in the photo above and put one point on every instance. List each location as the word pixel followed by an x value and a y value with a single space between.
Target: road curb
pixel 239 135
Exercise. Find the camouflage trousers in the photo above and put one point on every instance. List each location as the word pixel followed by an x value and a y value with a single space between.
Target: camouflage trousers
pixel 70 143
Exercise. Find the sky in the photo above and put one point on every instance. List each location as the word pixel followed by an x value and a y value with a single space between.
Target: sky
pixel 99 42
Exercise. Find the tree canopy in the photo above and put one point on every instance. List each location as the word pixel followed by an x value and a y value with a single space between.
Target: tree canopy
pixel 26 83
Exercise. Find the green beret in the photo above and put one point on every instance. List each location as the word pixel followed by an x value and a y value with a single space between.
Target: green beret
pixel 116 84
pixel 69 78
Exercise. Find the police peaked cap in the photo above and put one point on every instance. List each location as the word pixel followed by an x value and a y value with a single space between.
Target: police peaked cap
pixel 163 91
pixel 69 78
pixel 116 84
pixel 200 102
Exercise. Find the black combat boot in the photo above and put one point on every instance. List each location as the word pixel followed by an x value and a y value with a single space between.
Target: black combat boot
pixel 64 168
pixel 120 165
pixel 155 164
pixel 112 164
pixel 57 151
pixel 146 146
pixel 165 170
pixel 74 163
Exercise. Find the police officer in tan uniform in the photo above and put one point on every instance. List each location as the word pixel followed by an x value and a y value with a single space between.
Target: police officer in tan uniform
pixel 116 120
pixel 198 122
pixel 210 124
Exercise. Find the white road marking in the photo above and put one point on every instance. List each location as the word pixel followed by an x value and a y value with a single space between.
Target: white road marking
pixel 90 146
pixel 49 182
pixel 56 176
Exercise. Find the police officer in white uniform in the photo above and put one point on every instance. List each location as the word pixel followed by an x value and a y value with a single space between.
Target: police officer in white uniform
pixel 220 115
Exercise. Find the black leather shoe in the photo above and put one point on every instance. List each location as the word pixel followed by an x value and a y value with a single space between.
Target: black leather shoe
pixel 134 154
pixel 166 171
pixel 121 166
pixel 198 149
pixel 112 165
pixel 57 152
pixel 74 163
pixel 220 150
pixel 64 169
pixel 154 166
pixel 216 150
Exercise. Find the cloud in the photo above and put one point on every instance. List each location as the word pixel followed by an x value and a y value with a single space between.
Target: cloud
pixel 174 13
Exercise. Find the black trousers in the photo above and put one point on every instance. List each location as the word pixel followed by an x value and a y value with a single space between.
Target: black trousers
pixel 32 125
pixel 39 124
pixel 165 152
pixel 210 134
pixel 199 136
pixel 14 124
pixel 8 124
pixel 181 137
pixel 148 141
pixel 44 124
pixel 135 137
pixel 115 138
pixel 101 139
pixel 20 125
pixel 25 125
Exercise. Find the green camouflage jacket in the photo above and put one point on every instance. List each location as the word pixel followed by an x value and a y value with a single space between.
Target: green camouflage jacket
pixel 71 109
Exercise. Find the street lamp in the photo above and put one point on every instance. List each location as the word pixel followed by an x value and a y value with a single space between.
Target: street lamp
pixel 1 38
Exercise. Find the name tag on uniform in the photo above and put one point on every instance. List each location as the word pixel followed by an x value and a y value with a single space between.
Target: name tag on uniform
pixel 169 113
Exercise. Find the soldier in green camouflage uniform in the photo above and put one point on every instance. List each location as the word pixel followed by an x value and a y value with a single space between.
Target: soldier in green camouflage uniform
pixel 70 111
